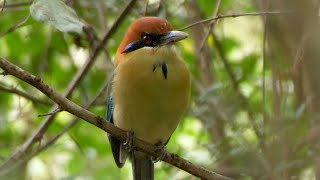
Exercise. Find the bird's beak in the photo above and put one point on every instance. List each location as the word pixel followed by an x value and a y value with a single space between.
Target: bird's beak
pixel 172 36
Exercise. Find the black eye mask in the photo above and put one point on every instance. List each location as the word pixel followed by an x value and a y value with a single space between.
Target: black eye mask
pixel 146 40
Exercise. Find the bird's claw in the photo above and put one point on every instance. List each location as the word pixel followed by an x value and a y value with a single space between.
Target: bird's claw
pixel 129 142
pixel 161 149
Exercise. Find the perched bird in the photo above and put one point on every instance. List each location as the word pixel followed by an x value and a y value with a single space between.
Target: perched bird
pixel 150 89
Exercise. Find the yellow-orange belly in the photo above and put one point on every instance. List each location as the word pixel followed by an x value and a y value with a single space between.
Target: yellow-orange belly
pixel 146 102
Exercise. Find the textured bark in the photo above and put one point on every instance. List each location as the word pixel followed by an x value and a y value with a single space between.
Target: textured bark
pixel 97 121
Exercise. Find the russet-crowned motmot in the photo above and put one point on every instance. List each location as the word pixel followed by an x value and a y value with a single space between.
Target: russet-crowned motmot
pixel 150 89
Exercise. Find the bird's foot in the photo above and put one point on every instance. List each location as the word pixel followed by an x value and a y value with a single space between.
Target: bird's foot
pixel 161 148
pixel 129 142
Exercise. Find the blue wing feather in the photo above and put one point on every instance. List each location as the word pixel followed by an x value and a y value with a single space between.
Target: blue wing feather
pixel 110 109
pixel 115 143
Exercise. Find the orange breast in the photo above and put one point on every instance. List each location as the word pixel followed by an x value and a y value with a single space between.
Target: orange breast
pixel 145 102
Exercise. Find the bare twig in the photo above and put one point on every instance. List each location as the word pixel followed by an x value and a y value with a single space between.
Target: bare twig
pixel 215 13
pixel 24 94
pixel 51 113
pixel 233 16
pixel 226 64
pixel 53 139
pixel 91 118
pixel 264 57
pixel 235 84
pixel 15 26
pixel 37 135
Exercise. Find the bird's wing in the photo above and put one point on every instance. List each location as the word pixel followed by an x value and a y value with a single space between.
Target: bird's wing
pixel 115 143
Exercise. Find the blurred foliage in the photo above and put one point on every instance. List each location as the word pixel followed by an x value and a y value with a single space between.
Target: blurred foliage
pixel 255 140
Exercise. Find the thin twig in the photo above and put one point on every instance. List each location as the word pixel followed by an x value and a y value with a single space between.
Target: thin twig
pixel 72 85
pixel 264 57
pixel 234 16
pixel 235 83
pixel 15 26
pixel 24 95
pixel 146 7
pixel 53 139
pixel 226 64
pixel 103 124
pixel 212 23
pixel 51 113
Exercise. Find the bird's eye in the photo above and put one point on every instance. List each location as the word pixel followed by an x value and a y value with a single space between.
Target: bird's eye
pixel 147 39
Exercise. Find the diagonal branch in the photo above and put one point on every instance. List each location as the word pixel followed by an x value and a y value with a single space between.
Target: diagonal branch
pixel 212 23
pixel 99 122
pixel 97 47
pixel 13 27
pixel 53 139
pixel 24 95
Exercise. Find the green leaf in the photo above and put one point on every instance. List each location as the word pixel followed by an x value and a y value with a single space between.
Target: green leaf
pixel 57 14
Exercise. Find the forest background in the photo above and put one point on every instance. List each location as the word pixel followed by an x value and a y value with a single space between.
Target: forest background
pixel 255 87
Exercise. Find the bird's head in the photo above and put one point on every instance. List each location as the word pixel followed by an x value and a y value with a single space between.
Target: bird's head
pixel 148 32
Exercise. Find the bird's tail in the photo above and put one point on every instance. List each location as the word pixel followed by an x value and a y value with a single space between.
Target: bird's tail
pixel 142 166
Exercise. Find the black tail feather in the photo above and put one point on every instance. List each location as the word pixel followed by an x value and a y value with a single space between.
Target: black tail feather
pixel 142 166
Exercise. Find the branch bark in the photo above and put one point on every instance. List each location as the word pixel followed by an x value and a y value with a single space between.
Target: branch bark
pixel 99 122
pixel 97 47
pixel 23 94
pixel 215 18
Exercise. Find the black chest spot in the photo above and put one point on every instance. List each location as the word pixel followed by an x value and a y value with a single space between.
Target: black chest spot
pixel 164 68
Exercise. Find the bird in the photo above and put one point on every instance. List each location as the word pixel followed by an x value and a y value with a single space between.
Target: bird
pixel 150 90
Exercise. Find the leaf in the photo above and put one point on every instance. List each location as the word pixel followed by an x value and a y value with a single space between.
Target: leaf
pixel 57 14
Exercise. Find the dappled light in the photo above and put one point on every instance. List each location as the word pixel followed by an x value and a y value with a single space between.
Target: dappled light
pixel 255 89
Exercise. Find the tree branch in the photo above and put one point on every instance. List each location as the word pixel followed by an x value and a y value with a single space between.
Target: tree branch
pixel 50 113
pixel 54 138
pixel 215 13
pixel 15 26
pixel 99 122
pixel 233 16
pixel 24 95
pixel 97 47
